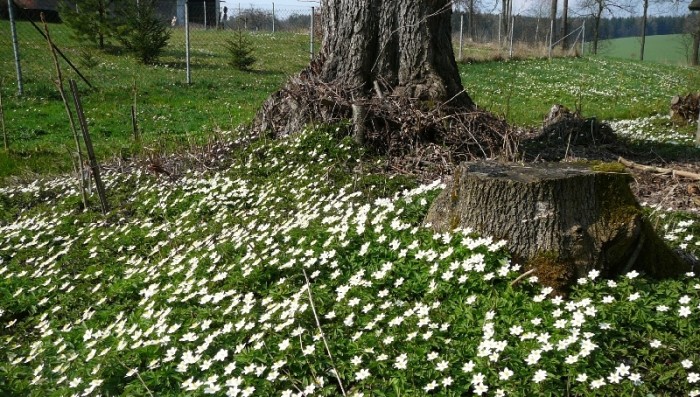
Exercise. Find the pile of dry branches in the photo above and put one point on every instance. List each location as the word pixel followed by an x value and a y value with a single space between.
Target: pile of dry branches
pixel 397 126
pixel 563 127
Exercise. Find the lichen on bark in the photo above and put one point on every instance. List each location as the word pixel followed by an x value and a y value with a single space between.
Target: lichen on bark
pixel 562 220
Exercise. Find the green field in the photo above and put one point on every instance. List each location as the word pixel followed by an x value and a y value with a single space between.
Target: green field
pixel 671 49
pixel 172 114
pixel 299 267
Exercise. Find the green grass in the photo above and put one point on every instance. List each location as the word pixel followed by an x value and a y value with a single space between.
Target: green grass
pixel 524 91
pixel 202 286
pixel 671 49
pixel 172 114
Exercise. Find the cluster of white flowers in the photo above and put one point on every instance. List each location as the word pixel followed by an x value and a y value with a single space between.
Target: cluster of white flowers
pixel 243 285
pixel 656 128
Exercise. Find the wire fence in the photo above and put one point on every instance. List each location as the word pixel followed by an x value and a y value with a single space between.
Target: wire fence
pixel 200 30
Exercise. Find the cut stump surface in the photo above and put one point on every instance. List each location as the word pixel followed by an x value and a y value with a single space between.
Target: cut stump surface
pixel 561 220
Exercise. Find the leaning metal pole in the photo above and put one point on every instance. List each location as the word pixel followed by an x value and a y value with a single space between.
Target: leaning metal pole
pixel 15 46
pixel 461 35
pixel 311 34
pixel 187 43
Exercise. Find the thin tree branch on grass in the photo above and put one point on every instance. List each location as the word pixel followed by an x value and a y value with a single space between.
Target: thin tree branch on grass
pixel 59 85
pixel 659 170
pixel 323 336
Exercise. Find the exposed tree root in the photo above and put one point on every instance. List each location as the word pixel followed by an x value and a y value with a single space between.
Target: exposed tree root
pixel 393 125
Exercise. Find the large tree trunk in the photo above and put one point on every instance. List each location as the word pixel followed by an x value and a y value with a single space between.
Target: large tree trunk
pixel 375 48
pixel 563 221
pixel 404 44
pixel 391 60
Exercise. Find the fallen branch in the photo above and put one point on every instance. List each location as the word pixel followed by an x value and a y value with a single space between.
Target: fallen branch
pixel 150 393
pixel 522 277
pixel 323 336
pixel 659 170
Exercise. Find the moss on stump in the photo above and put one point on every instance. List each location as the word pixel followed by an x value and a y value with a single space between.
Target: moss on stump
pixel 562 220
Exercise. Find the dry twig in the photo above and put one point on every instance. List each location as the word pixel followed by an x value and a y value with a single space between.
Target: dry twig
pixel 659 170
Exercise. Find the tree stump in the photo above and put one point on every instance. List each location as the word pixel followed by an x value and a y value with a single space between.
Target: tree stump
pixel 560 220
pixel 684 109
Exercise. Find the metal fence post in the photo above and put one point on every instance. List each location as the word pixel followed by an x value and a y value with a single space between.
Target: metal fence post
pixel 583 39
pixel 311 33
pixel 204 7
pixel 187 43
pixel 461 35
pixel 273 17
pixel 551 36
pixel 512 33
pixel 15 46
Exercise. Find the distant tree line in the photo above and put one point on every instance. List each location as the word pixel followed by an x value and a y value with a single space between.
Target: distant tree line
pixel 536 29
pixel 613 28
pixel 255 19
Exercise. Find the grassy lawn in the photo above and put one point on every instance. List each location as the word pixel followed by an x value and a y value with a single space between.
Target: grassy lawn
pixel 240 282
pixel 170 113
pixel 524 91
pixel 297 271
pixel 671 49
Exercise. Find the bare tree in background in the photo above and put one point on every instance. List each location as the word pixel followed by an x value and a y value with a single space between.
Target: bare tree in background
pixel 661 5
pixel 472 8
pixel 565 25
pixel 553 19
pixel 596 8
pixel 471 13
pixel 645 14
pixel 507 14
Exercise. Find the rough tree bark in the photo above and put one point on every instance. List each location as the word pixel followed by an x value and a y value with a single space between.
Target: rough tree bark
pixel 393 58
pixel 563 221
pixel 406 44
pixel 371 49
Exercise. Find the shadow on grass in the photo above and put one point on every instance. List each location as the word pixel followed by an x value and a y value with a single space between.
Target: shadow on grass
pixel 663 152
pixel 26 164
pixel 194 66
pixel 644 152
